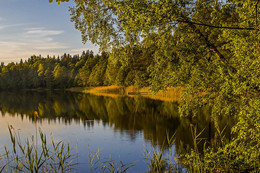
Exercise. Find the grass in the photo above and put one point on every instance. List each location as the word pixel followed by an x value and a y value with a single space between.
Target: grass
pixel 171 94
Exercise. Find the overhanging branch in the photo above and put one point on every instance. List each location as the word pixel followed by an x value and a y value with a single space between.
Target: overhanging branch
pixel 209 44
pixel 219 27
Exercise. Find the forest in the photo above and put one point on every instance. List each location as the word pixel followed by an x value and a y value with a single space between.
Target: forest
pixel 82 70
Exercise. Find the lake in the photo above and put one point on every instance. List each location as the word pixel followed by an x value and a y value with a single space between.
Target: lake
pixel 120 128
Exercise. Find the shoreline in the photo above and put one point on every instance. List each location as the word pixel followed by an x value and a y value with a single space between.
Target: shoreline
pixel 172 94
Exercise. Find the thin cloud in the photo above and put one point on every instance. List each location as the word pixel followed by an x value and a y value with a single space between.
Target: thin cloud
pixel 9 26
pixel 28 42
pixel 6 45
pixel 42 32
pixel 5 26
pixel 48 39
pixel 51 46
pixel 24 49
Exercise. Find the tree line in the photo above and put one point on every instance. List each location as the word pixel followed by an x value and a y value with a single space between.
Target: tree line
pixel 82 70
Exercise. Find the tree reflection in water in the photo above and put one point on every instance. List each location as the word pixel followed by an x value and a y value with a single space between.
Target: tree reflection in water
pixel 131 116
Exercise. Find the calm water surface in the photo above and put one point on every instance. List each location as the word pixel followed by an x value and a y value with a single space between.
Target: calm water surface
pixel 119 127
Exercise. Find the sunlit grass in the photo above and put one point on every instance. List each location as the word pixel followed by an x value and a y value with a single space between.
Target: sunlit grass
pixel 171 94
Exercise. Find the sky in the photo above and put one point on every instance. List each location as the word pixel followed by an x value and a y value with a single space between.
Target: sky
pixel 36 27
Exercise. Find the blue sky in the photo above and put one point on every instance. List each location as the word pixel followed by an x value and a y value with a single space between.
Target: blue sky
pixel 30 27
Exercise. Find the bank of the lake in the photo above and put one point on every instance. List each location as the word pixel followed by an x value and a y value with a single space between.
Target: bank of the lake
pixel 171 94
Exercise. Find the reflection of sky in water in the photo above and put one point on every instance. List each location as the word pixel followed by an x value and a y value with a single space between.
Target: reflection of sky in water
pixel 100 136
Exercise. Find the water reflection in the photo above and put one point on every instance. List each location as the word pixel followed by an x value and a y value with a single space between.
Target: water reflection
pixel 131 116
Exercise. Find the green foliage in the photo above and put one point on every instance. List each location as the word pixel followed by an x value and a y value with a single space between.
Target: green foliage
pixel 59 1
pixel 242 153
pixel 71 71
pixel 96 77
pixel 112 72
pixel 141 79
pixel 61 76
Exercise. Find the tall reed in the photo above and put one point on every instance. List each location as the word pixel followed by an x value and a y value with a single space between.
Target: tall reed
pixel 110 166
pixel 158 162
pixel 27 156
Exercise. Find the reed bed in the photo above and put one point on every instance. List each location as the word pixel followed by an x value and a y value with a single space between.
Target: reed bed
pixel 28 156
pixel 50 156
pixel 170 94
